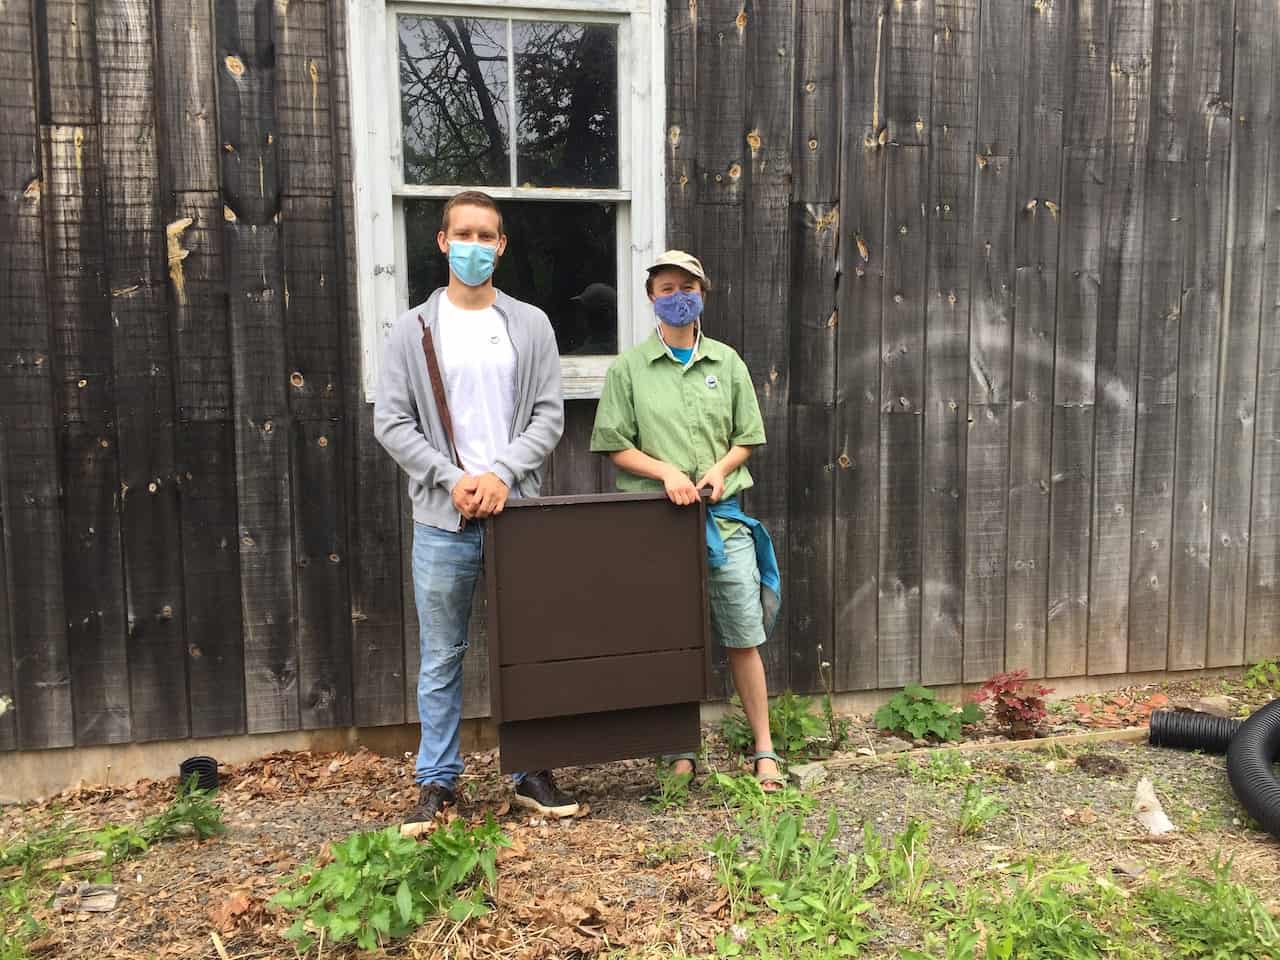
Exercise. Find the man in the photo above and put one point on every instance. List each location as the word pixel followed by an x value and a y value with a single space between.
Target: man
pixel 500 373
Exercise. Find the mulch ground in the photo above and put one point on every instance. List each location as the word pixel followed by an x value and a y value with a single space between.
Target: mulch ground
pixel 624 878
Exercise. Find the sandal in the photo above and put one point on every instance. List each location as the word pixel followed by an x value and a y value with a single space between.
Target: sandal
pixel 765 779
pixel 691 758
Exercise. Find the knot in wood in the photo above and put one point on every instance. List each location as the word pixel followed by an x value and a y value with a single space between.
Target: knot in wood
pixel 735 171
pixel 235 66
pixel 323 442
pixel 82 383
pixel 297 379
pixel 153 487
pixel 813 144
pixel 333 558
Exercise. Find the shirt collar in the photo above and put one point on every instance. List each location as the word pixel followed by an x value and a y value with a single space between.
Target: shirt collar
pixel 655 348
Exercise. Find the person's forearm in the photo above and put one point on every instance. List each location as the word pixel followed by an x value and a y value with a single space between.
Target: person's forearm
pixel 732 460
pixel 641 464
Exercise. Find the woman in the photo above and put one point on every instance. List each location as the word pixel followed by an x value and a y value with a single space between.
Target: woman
pixel 679 413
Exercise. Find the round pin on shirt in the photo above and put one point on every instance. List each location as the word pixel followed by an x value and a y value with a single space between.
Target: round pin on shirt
pixel 712 382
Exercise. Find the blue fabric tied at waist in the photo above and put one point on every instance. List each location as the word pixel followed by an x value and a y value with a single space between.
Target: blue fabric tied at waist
pixel 766 558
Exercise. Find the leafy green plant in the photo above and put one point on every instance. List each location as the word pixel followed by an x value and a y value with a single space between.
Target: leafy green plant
pixel 792 725
pixel 18 925
pixel 942 766
pixel 918 712
pixel 977 810
pixel 120 843
pixel 1215 918
pixel 1264 676
pixel 382 886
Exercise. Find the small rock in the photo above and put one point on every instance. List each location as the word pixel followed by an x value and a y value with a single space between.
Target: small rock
pixel 1129 868
pixel 1149 812
pixel 892 745
pixel 806 775
pixel 1214 706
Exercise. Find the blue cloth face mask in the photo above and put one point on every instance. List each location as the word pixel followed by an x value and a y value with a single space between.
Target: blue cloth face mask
pixel 472 263
pixel 678 309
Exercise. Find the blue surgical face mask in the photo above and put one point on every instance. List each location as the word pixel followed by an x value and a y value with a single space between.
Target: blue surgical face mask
pixel 472 263
pixel 678 309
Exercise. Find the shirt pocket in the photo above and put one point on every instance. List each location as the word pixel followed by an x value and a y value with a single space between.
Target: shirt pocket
pixel 715 405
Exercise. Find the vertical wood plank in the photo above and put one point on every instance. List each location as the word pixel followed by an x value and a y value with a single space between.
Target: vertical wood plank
pixel 1253 93
pixel 718 243
pixel 1130 41
pixel 811 483
pixel 901 429
pixel 1075 343
pixel 244 35
pixel 767 244
pixel 720 64
pixel 900 540
pixel 137 278
pixel 304 120
pixel 1165 228
pixel 320 555
pixel 681 147
pixel 1262 622
pixel 909 76
pixel 313 344
pixel 29 468
pixel 1210 133
pixel 206 451
pixel 371 477
pixel 992 284
pixel 1036 241
pixel 951 225
pixel 77 268
pixel 8 725
pixel 858 364
pixel 1162 298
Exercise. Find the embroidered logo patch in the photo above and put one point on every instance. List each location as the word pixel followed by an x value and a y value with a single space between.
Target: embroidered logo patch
pixel 712 382
pixel 493 339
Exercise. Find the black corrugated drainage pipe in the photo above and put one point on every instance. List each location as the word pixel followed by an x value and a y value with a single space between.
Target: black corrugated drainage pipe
pixel 1250 766
pixel 1192 731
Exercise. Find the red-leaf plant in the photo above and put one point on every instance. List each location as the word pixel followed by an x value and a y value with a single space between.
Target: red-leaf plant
pixel 1019 702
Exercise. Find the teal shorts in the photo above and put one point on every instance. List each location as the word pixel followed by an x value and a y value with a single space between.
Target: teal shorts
pixel 737 618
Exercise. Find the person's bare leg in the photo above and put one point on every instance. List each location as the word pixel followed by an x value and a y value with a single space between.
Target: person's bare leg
pixel 749 680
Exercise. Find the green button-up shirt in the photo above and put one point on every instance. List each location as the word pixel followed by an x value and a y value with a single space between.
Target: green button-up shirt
pixel 688 417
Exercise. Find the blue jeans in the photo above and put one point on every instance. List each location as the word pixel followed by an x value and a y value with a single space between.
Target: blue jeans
pixel 446 567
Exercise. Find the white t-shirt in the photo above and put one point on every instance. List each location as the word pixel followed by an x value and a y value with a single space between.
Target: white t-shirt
pixel 479 367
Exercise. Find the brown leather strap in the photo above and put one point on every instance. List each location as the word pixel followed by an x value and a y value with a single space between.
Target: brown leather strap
pixel 437 389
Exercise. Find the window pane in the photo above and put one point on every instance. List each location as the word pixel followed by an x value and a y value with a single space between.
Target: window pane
pixel 561 257
pixel 567 104
pixel 453 100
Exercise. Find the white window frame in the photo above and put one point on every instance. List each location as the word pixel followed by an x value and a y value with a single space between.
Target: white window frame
pixel 381 277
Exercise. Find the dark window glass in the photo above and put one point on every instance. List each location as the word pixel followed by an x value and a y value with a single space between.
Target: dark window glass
pixel 566 104
pixel 454 81
pixel 560 256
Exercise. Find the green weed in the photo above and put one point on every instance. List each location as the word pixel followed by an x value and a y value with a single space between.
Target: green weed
pixel 977 810
pixel 192 813
pixel 1215 918
pixel 941 766
pixel 673 789
pixel 903 864
pixel 1264 677
pixel 381 886
pixel 744 794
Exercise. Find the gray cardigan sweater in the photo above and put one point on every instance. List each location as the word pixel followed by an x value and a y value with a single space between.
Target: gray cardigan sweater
pixel 408 425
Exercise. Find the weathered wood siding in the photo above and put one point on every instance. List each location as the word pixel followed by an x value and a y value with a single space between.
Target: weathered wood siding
pixel 1007 276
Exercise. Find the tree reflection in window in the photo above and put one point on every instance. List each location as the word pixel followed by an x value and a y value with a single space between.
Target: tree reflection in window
pixel 454 90
pixel 566 104
pixel 454 82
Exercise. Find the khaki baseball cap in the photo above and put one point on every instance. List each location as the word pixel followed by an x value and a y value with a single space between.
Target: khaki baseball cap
pixel 685 261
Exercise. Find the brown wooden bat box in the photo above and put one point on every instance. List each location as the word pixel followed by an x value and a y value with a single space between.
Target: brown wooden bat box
pixel 598 628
